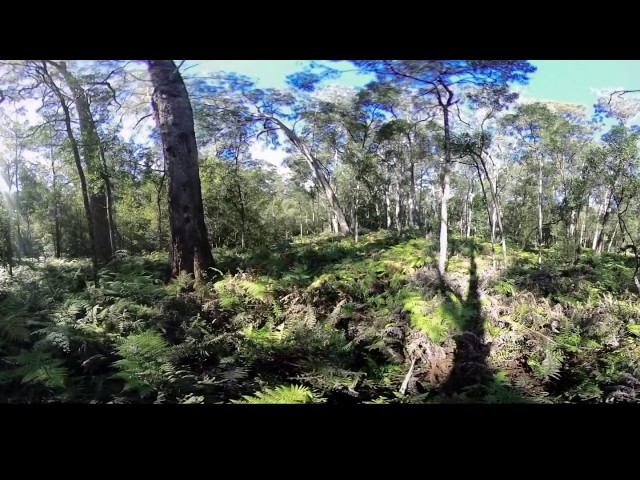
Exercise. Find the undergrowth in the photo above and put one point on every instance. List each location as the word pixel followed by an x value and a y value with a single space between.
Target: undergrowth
pixel 324 320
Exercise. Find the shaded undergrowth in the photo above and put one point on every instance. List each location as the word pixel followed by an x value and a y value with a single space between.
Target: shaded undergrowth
pixel 324 320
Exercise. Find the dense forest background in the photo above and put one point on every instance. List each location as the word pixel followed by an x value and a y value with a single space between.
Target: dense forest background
pixel 431 238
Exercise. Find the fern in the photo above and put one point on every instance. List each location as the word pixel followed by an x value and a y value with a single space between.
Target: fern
pixel 418 309
pixel 283 394
pixel 144 365
pixel 35 366
pixel 254 290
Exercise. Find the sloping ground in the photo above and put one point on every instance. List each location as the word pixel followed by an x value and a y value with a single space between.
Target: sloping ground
pixel 324 320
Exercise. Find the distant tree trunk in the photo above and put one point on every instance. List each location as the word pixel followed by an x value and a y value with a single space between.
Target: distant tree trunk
pixel 109 198
pixel 387 204
pixel 445 180
pixel 90 152
pixel 16 170
pixel 412 198
pixel 190 250
pixel 355 223
pixel 56 212
pixel 398 204
pixel 613 235
pixel 605 218
pixel 469 209
pixel 540 211
pixel 496 216
pixel 596 234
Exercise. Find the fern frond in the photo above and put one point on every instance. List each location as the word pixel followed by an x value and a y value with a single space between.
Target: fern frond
pixel 35 366
pixel 283 394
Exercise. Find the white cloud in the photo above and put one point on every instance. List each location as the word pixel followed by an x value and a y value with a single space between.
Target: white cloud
pixel 260 151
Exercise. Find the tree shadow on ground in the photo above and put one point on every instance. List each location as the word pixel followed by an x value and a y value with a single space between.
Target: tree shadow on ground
pixel 471 378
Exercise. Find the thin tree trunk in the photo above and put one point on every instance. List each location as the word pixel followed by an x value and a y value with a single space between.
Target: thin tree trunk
pixel 613 235
pixel 496 215
pixel 445 181
pixel 387 204
pixel 355 223
pixel 16 168
pixel 90 152
pixel 540 211
pixel 398 205
pixel 412 197
pixel 108 197
pixel 172 110
pixel 605 218
pixel 76 156
pixel 56 212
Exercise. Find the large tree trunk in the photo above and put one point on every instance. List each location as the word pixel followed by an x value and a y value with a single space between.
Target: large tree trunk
pixel 90 152
pixel 190 250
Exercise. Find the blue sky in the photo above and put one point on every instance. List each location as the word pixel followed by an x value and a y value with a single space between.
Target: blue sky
pixel 561 80
pixel 571 81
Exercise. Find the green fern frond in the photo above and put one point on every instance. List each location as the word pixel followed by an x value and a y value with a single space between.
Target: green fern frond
pixel 254 290
pixel 35 366
pixel 145 362
pixel 14 327
pixel 283 394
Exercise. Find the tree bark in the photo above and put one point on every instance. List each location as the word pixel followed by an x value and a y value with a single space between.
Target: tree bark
pixel 172 110
pixel 445 180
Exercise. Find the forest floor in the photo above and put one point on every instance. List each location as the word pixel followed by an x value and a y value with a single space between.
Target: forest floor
pixel 325 320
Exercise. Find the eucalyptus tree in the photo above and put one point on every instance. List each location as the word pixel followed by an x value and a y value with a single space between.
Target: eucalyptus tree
pixel 621 174
pixel 190 250
pixel 268 112
pixel 441 79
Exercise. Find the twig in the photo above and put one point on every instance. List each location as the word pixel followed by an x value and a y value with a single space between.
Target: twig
pixel 405 383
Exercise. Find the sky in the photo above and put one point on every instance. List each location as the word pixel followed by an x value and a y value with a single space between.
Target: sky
pixel 574 81
pixel 569 81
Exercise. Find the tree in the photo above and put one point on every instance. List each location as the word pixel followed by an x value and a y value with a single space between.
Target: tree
pixel 440 79
pixel 190 250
